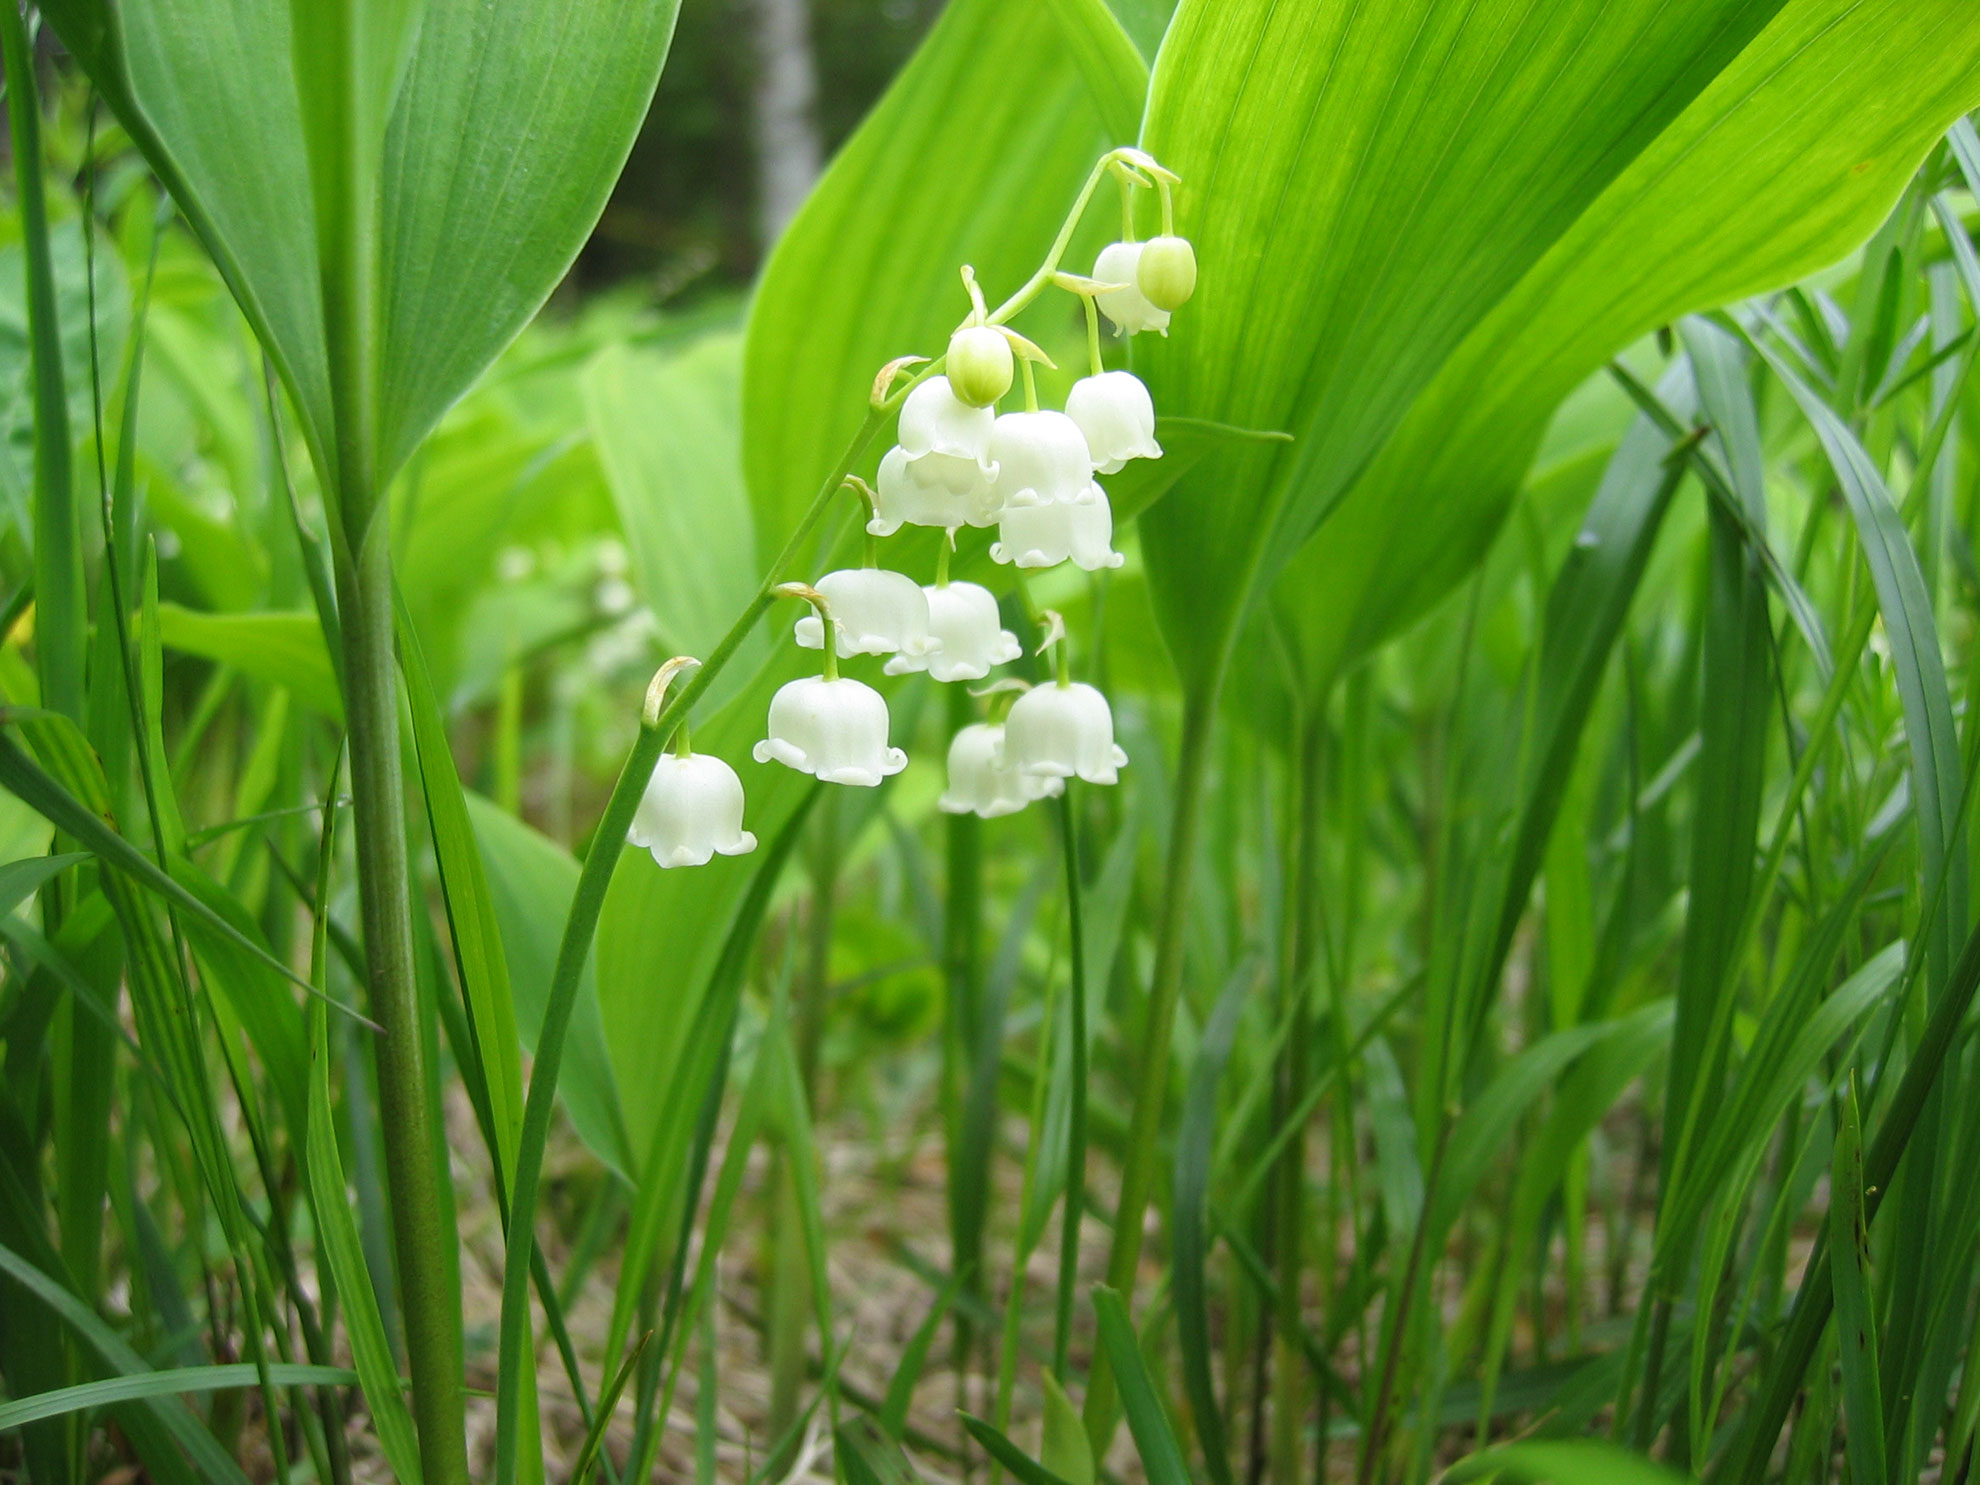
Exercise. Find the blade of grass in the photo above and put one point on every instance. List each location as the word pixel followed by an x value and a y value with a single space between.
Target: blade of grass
pixel 1146 1418
pixel 1189 1280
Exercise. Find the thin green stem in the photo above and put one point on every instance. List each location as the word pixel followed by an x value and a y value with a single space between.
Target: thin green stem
pixel 1092 303
pixel 1075 1204
pixel 1030 385
pixel 1138 1175
pixel 683 743
pixel 942 555
pixel 1032 287
pixel 575 948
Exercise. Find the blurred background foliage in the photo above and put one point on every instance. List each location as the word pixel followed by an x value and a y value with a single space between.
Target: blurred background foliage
pixel 591 506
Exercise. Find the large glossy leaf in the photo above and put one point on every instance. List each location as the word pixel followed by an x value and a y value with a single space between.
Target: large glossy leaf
pixel 667 429
pixel 1779 168
pixel 1372 187
pixel 493 157
pixel 530 883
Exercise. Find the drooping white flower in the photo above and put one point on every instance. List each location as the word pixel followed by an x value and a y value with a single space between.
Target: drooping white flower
pixel 1127 307
pixel 1041 457
pixel 982 780
pixel 691 810
pixel 936 421
pixel 877 613
pixel 1117 416
pixel 1045 535
pixel 934 490
pixel 1062 731
pixel 963 618
pixel 836 730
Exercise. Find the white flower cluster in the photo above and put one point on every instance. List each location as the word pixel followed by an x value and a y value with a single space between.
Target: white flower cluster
pixel 960 463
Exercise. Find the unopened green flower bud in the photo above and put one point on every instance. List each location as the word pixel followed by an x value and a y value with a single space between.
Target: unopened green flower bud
pixel 979 365
pixel 1166 274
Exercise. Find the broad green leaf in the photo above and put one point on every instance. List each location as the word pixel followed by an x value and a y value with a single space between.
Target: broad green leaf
pixel 1363 184
pixel 867 269
pixel 493 135
pixel 1392 267
pixel 1779 167
pixel 530 883
pixel 667 429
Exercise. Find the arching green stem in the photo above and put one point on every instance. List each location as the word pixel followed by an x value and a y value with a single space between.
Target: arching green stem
pixel 575 948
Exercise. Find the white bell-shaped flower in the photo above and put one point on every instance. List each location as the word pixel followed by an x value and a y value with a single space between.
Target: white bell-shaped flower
pixel 1062 731
pixel 1127 307
pixel 963 619
pixel 877 612
pixel 934 490
pixel 1041 457
pixel 692 810
pixel 982 780
pixel 1117 417
pixel 936 421
pixel 1081 531
pixel 834 729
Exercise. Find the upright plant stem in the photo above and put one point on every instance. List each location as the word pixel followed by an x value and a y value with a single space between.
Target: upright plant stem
pixel 962 932
pixel 421 1238
pixel 1138 1177
pixel 1075 1207
pixel 1288 1220
pixel 61 624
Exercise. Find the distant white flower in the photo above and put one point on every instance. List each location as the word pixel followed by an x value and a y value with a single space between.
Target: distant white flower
pixel 1040 457
pixel 1127 307
pixel 934 490
pixel 1063 731
pixel 981 779
pixel 877 613
pixel 1117 416
pixel 691 810
pixel 834 729
pixel 1081 531
pixel 963 620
